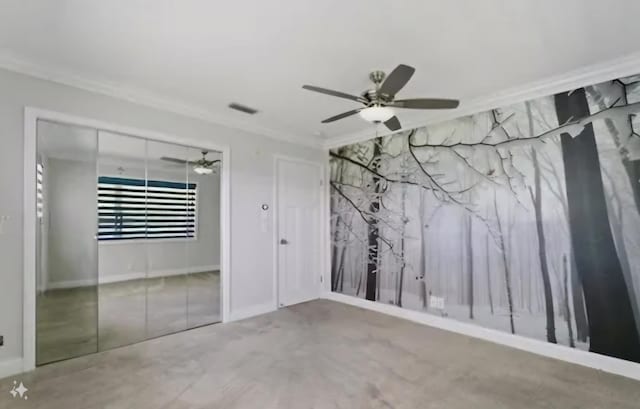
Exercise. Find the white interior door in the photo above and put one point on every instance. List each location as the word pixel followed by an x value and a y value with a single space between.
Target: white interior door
pixel 299 202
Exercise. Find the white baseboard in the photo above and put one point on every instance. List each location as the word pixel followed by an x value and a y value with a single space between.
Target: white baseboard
pixel 130 276
pixel 251 311
pixel 11 367
pixel 563 353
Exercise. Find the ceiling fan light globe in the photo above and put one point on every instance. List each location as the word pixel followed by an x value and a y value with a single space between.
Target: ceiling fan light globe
pixel 202 170
pixel 377 114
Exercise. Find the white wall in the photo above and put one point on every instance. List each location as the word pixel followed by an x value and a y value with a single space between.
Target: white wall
pixel 251 275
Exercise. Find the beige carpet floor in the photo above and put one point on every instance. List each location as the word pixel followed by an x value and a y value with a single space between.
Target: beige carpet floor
pixel 319 354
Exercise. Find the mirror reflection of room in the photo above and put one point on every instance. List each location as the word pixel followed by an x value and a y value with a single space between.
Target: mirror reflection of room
pixel 67 260
pixel 137 225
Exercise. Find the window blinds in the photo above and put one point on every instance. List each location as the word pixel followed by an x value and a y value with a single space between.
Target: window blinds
pixel 39 190
pixel 145 209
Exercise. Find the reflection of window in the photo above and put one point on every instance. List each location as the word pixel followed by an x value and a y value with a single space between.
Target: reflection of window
pixel 39 190
pixel 145 209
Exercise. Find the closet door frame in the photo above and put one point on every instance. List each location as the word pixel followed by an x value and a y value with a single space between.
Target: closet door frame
pixel 31 117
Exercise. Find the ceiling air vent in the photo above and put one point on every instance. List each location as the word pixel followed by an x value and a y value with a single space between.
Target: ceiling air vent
pixel 243 108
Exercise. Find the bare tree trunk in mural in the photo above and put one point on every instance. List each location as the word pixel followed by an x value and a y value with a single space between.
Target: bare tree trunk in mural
pixel 619 130
pixel 372 237
pixel 542 251
pixel 423 254
pixel 580 313
pixel 617 228
pixel 489 290
pixel 402 245
pixel 334 260
pixel 336 229
pixel 529 286
pixel 505 263
pixel 606 296
pixel 340 284
pixel 536 198
pixel 460 285
pixel 470 264
pixel 582 326
pixel 567 310
pixel 361 272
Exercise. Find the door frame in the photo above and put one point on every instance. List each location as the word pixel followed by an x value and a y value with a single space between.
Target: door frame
pixel 31 117
pixel 324 224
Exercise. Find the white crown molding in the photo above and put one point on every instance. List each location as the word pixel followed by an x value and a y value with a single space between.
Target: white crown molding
pixel 143 97
pixel 593 74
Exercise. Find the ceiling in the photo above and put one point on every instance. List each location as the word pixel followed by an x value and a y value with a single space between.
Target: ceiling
pixel 198 56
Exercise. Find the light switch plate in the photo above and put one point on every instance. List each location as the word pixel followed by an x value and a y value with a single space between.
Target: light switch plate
pixel 3 220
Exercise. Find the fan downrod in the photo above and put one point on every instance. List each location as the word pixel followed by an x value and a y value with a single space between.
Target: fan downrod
pixel 377 77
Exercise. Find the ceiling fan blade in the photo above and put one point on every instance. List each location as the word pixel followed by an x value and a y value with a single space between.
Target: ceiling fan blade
pixel 396 80
pixel 342 115
pixel 426 103
pixel 393 123
pixel 174 160
pixel 334 93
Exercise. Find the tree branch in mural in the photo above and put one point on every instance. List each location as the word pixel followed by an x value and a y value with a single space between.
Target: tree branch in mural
pixel 623 137
pixel 503 218
pixel 572 127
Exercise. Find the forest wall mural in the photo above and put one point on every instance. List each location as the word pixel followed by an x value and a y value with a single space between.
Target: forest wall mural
pixel 524 219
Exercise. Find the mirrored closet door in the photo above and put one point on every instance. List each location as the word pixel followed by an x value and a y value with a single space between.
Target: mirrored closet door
pixel 203 249
pixel 128 240
pixel 171 225
pixel 66 248
pixel 122 261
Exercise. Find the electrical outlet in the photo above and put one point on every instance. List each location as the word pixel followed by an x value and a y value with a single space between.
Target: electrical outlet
pixel 436 302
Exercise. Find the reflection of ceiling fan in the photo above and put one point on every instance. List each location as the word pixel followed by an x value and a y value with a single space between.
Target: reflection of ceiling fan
pixel 380 101
pixel 200 166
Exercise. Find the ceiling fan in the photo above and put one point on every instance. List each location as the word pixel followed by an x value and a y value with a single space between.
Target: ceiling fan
pixel 201 166
pixel 379 102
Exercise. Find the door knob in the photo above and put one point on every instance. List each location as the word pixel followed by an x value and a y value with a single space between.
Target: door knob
pixel 284 241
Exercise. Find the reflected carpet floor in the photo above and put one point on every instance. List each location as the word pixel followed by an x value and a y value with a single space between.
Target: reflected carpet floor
pixel 77 321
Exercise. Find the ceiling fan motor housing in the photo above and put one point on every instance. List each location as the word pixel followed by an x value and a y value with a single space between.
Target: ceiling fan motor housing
pixel 373 96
